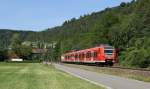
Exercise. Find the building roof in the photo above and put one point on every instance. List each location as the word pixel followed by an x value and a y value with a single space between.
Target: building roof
pixel 38 51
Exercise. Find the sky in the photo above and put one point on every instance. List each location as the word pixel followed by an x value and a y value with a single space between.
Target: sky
pixel 37 15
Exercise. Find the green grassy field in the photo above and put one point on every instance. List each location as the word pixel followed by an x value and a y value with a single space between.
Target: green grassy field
pixel 38 76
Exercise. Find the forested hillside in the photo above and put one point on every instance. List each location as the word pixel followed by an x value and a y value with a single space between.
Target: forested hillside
pixel 127 27
pixel 6 36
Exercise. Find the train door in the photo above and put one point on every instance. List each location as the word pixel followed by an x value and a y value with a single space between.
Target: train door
pixel 92 56
pixel 80 57
pixel 95 55
pixel 88 56
pixel 76 57
pixel 83 56
pixel 73 57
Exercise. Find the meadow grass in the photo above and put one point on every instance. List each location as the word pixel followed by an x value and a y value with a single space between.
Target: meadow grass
pixel 38 76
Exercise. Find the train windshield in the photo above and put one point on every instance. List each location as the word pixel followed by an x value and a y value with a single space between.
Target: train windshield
pixel 108 51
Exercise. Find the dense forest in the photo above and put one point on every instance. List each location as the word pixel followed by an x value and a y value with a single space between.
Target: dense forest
pixel 126 27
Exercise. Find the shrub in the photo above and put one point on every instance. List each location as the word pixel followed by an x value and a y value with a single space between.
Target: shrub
pixel 135 58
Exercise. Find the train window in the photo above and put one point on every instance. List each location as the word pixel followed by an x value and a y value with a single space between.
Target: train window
pixel 72 56
pixel 65 57
pixel 88 55
pixel 108 51
pixel 83 55
pixel 95 54
pixel 76 55
pixel 80 55
pixel 92 54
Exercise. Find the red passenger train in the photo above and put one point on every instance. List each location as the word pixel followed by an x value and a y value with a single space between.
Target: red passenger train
pixel 101 54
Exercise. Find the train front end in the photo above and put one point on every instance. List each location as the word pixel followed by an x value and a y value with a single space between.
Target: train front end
pixel 110 55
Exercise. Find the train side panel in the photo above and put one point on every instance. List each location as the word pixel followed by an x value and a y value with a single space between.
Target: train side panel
pixel 92 55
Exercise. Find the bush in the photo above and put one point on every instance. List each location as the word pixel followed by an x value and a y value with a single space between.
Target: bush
pixel 135 58
pixel 3 54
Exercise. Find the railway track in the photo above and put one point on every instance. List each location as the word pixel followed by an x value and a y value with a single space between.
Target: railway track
pixel 116 67
pixel 139 69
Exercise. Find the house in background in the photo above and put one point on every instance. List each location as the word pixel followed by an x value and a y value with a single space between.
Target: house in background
pixel 13 57
pixel 37 53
